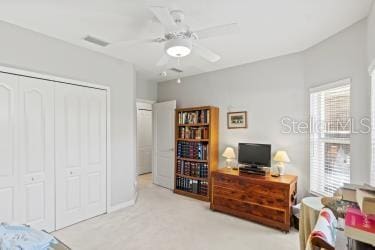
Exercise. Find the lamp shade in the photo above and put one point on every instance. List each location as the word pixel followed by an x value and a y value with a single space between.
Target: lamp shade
pixel 281 156
pixel 229 153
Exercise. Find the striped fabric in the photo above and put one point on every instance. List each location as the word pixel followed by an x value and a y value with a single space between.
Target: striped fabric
pixel 324 233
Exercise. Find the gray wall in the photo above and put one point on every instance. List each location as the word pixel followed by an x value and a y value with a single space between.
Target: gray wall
pixel 268 90
pixel 32 51
pixel 279 87
pixel 371 35
pixel 339 57
pixel 146 89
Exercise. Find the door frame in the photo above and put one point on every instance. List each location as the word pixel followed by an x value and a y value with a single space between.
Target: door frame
pixel 62 80
pixel 139 100
pixel 147 102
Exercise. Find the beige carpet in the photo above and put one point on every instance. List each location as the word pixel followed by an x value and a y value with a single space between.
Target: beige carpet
pixel 161 220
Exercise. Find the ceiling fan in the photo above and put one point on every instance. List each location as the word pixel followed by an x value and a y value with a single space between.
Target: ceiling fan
pixel 179 41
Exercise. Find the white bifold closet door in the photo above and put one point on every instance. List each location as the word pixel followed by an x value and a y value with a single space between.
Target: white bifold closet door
pixel 36 152
pixel 27 151
pixel 80 116
pixel 9 189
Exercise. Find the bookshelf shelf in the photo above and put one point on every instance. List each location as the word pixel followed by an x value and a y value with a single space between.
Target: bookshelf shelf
pixel 192 195
pixel 193 140
pixel 192 177
pixel 191 123
pixel 193 160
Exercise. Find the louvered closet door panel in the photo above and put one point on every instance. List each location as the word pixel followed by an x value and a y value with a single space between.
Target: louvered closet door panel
pixel 36 150
pixel 80 153
pixel 9 191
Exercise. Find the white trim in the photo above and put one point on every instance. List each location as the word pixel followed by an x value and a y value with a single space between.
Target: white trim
pixel 143 105
pixel 371 68
pixel 326 86
pixel 122 205
pixel 109 162
pixel 21 72
pixel 27 73
pixel 145 101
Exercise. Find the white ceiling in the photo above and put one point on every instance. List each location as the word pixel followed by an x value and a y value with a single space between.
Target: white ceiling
pixel 268 28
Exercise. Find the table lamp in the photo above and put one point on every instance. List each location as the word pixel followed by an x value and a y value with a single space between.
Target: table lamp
pixel 230 155
pixel 281 157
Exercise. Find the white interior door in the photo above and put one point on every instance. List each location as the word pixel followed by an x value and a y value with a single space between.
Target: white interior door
pixel 36 153
pixel 144 138
pixel 163 137
pixel 9 171
pixel 80 153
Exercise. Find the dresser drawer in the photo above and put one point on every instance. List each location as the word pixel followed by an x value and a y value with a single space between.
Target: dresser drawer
pixel 263 199
pixel 253 191
pixel 244 209
pixel 253 197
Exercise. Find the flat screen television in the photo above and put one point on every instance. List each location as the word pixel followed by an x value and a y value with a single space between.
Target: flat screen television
pixel 254 154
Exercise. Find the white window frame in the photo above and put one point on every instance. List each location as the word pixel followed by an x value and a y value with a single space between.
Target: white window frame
pixel 372 167
pixel 320 88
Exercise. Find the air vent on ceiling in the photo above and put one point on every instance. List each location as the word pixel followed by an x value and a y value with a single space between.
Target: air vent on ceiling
pixel 176 70
pixel 96 41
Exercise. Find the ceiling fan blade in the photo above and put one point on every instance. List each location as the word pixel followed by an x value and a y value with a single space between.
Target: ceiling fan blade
pixel 206 53
pixel 220 30
pixel 163 15
pixel 163 60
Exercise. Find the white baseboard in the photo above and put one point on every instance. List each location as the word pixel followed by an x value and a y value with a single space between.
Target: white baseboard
pixel 123 205
pixel 135 197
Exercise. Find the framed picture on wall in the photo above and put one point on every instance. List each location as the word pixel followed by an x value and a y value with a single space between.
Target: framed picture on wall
pixel 237 119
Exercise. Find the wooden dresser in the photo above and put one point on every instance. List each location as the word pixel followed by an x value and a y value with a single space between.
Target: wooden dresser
pixel 263 199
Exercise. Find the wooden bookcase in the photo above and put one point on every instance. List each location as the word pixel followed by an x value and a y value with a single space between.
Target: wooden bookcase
pixel 196 153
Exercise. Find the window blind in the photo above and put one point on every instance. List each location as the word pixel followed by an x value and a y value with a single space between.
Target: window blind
pixel 330 137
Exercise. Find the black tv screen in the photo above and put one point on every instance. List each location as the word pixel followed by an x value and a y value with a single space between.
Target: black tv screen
pixel 258 154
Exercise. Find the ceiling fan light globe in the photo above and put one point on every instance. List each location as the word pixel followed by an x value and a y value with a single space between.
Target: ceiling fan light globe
pixel 178 51
pixel 178 47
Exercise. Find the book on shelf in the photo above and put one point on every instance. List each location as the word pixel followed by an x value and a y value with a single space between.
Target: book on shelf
pixel 192 186
pixel 193 169
pixel 193 133
pixel 194 117
pixel 192 150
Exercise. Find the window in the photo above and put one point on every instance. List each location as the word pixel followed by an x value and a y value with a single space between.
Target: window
pixel 330 137
pixel 372 179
